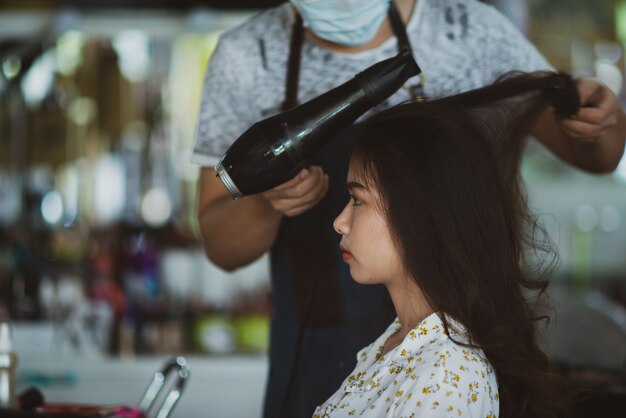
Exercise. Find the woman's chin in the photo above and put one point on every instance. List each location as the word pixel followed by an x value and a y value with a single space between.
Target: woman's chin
pixel 355 276
pixel 361 278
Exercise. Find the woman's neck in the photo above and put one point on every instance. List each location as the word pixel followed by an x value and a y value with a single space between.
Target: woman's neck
pixel 410 304
pixel 405 8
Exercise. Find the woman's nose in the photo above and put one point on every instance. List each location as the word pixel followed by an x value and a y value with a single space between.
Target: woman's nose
pixel 340 224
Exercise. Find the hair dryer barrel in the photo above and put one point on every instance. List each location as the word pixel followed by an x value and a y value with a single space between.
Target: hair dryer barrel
pixel 273 150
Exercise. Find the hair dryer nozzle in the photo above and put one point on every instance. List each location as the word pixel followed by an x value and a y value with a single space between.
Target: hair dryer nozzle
pixel 377 79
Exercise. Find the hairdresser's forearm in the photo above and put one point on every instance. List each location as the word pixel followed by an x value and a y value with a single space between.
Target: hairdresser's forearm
pixel 601 154
pixel 598 153
pixel 237 232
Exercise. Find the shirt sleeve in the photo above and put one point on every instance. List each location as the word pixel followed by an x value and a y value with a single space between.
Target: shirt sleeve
pixel 227 106
pixel 507 49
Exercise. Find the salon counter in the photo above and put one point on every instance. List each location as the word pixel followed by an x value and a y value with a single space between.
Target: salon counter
pixel 230 386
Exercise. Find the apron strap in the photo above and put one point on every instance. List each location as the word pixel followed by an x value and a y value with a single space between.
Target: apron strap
pixel 293 67
pixel 416 91
pixel 295 52
pixel 399 29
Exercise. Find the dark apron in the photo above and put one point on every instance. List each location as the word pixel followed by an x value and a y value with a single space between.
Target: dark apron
pixel 322 317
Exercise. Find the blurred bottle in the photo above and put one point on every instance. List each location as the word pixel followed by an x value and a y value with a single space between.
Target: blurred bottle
pixel 8 363
pixel 30 399
pixel 273 150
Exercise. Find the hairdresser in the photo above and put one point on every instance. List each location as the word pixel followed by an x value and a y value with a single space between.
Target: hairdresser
pixel 296 51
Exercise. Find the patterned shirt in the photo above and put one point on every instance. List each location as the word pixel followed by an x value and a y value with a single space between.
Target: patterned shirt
pixel 427 375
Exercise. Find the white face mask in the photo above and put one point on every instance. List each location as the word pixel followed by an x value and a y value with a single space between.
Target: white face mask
pixel 345 22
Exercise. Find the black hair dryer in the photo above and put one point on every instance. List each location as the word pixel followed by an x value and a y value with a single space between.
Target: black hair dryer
pixel 274 150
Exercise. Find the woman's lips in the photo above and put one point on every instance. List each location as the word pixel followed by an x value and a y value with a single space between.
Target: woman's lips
pixel 346 255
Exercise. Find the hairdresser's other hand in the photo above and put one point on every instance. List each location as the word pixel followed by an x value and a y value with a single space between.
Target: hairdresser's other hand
pixel 600 113
pixel 300 193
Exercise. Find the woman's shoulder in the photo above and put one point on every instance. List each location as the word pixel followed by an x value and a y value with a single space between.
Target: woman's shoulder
pixel 441 353
pixel 443 345
pixel 449 378
pixel 452 363
pixel 433 347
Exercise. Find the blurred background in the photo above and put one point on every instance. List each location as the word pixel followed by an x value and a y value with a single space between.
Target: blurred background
pixel 102 273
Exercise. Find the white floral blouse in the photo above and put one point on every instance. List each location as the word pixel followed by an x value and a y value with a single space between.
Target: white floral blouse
pixel 427 375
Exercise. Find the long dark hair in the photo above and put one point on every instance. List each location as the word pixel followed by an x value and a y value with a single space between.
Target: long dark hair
pixel 448 175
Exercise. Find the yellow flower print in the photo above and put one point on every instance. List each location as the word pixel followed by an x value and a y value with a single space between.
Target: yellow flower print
pixel 456 379
pixel 423 331
pixel 404 352
pixel 399 393
pixel 413 335
pixel 426 390
pixel 474 398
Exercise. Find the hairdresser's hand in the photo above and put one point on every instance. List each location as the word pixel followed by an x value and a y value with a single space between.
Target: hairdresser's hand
pixel 300 193
pixel 600 113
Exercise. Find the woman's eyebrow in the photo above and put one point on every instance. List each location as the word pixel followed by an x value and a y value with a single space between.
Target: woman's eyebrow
pixel 354 185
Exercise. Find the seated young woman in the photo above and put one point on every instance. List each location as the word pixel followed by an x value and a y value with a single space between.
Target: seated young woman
pixel 438 215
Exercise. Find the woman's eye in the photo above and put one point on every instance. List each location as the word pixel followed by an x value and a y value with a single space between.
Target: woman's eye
pixel 355 200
